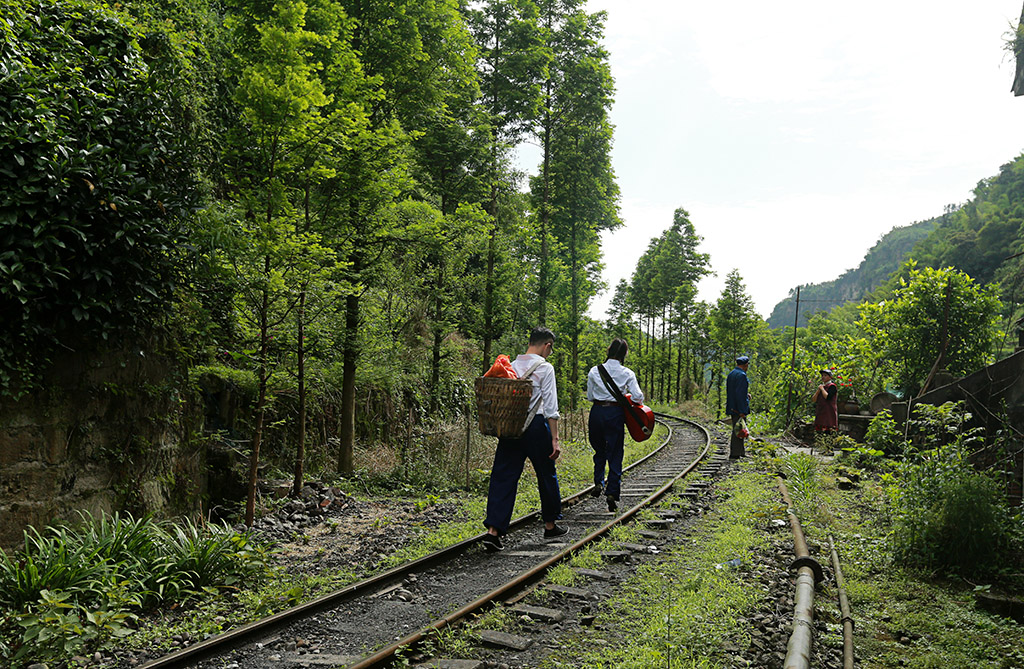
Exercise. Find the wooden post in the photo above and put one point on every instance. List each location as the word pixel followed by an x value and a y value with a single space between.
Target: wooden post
pixel 469 437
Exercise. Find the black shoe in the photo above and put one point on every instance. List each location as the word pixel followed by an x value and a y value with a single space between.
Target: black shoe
pixel 612 503
pixel 555 531
pixel 597 490
pixel 492 543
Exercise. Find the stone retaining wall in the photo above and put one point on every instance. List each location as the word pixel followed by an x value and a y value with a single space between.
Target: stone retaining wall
pixel 107 432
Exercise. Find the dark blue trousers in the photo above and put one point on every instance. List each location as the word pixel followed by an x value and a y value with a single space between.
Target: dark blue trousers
pixel 606 430
pixel 509 459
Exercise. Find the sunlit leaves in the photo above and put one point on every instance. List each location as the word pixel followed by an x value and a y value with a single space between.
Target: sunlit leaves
pixel 934 313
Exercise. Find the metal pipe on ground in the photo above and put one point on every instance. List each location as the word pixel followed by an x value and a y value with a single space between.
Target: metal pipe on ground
pixel 798 650
pixel 844 607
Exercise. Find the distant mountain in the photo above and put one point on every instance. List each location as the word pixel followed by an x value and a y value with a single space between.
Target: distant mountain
pixel 881 260
pixel 983 237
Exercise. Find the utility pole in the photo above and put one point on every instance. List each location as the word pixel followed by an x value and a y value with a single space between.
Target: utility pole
pixel 792 362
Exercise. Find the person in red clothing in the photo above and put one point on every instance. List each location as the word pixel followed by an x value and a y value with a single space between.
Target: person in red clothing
pixel 826 414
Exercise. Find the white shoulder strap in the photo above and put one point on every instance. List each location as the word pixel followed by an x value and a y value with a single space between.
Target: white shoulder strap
pixel 532 369
pixel 528 374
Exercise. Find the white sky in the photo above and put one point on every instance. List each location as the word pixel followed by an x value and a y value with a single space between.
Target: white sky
pixel 797 133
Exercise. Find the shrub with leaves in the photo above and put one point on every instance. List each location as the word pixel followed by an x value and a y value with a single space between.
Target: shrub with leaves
pixel 78 589
pixel 884 435
pixel 946 514
pixel 96 179
pixel 907 331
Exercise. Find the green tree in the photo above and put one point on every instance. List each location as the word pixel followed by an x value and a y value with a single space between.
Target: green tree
pixel 938 318
pixel 735 320
pixel 575 195
pixel 735 325
pixel 280 96
pixel 678 268
pixel 620 311
pixel 420 56
pixel 511 63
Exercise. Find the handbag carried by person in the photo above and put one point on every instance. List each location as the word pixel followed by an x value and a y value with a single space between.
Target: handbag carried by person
pixel 739 430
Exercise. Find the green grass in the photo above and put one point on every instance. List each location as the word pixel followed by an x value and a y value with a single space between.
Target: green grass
pixel 73 590
pixel 679 611
pixel 907 618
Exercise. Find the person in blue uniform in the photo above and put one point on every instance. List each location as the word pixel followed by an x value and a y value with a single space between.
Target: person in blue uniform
pixel 737 402
pixel 539 443
pixel 607 421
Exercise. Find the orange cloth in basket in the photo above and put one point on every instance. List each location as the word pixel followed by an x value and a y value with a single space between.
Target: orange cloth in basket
pixel 502 368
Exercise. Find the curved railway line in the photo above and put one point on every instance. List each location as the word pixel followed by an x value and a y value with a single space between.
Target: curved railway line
pixel 365 624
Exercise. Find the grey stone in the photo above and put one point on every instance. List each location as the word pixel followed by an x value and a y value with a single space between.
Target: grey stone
pixel 615 556
pixel 540 613
pixel 566 590
pixel 504 640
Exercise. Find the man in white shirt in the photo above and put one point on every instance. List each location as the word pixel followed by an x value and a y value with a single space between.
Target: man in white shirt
pixel 539 443
pixel 607 422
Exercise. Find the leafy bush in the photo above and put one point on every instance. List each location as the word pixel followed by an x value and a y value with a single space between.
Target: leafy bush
pixel 56 626
pixel 884 435
pixel 907 331
pixel 96 179
pixel 946 514
pixel 72 590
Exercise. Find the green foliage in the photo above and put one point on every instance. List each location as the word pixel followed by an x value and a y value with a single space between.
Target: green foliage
pixel 908 330
pixel 946 514
pixel 735 322
pixel 802 480
pixel 93 154
pixel 57 627
pixel 884 434
pixel 77 589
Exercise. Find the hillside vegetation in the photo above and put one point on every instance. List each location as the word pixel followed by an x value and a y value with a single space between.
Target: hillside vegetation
pixel 981 237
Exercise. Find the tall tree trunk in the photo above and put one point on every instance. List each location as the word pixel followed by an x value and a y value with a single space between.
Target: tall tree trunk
pixel 435 357
pixel 489 298
pixel 350 360
pixel 300 355
pixel 300 447
pixel 545 213
pixel 652 349
pixel 574 328
pixel 492 209
pixel 261 399
pixel 665 347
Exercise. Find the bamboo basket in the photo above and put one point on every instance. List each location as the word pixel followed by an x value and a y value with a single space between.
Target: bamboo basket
pixel 502 405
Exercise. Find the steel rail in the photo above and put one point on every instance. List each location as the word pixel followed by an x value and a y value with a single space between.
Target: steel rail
pixel 265 626
pixel 387 655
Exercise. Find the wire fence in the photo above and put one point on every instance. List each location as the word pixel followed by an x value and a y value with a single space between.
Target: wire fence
pixel 451 452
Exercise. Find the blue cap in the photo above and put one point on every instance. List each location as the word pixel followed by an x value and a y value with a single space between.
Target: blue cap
pixel 742 360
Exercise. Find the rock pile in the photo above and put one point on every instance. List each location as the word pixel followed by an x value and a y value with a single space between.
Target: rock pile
pixel 316 502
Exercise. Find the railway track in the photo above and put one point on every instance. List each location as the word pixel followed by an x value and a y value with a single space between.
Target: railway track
pixel 367 623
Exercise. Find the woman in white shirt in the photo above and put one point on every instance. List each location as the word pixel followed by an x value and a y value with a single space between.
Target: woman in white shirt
pixel 607 423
